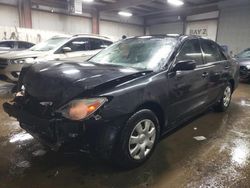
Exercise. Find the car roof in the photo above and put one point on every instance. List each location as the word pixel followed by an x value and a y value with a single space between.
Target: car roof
pixel 15 41
pixel 84 36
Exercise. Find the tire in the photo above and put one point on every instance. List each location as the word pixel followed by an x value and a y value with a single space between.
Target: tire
pixel 225 100
pixel 137 140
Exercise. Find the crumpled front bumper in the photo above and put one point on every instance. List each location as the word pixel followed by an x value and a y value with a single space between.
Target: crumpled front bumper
pixel 51 132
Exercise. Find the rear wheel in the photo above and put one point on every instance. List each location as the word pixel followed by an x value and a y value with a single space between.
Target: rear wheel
pixel 225 100
pixel 138 139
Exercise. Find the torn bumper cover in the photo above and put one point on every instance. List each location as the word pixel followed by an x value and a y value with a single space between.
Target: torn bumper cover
pixel 51 132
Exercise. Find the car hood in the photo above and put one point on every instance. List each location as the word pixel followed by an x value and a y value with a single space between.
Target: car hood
pixel 60 82
pixel 22 54
pixel 244 61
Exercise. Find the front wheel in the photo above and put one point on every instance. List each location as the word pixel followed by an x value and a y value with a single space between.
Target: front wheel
pixel 138 139
pixel 225 100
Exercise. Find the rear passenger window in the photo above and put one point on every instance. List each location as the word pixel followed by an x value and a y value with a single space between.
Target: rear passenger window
pixel 96 44
pixel 106 43
pixel 7 44
pixel 24 45
pixel 191 51
pixel 79 44
pixel 212 52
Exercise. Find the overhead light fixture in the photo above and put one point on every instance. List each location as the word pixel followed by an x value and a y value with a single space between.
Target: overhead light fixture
pixel 126 14
pixel 176 2
pixel 88 1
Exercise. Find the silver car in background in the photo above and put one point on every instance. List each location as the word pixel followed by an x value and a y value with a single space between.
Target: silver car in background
pixel 57 48
pixel 14 45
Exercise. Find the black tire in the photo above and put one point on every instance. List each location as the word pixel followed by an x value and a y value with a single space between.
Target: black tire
pixel 122 157
pixel 221 106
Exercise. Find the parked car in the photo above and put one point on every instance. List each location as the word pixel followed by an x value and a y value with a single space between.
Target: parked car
pixel 124 99
pixel 244 60
pixel 13 45
pixel 56 48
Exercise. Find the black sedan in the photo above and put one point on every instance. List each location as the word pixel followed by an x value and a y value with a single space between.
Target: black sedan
pixel 123 100
pixel 244 60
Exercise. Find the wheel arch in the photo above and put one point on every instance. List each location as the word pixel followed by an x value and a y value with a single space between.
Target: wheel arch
pixel 156 109
pixel 232 82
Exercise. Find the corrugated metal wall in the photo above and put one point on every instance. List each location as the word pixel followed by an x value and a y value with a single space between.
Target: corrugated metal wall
pixel 234 28
pixel 117 30
pixel 9 16
pixel 167 28
pixel 60 22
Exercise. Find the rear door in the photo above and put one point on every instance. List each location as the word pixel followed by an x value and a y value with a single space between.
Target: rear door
pixel 188 89
pixel 218 67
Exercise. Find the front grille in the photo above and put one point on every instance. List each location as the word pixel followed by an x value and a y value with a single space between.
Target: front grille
pixel 3 63
pixel 243 68
pixel 35 107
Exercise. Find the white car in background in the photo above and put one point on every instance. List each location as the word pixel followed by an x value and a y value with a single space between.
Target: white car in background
pixel 57 48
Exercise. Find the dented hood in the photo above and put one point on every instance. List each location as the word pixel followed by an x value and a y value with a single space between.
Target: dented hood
pixel 62 81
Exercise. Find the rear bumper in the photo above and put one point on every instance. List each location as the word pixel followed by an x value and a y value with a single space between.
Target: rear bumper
pixel 51 132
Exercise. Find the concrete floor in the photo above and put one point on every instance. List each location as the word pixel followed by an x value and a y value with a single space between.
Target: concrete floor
pixel 222 160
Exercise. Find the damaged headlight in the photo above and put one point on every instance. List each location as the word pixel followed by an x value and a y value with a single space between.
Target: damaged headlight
pixel 81 109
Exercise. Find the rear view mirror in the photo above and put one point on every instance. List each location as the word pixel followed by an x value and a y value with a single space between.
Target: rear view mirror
pixel 185 65
pixel 66 49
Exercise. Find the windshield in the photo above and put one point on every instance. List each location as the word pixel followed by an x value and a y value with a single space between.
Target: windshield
pixel 244 54
pixel 144 52
pixel 50 44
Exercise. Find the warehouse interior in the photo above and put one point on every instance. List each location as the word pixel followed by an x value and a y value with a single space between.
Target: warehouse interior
pixel 210 150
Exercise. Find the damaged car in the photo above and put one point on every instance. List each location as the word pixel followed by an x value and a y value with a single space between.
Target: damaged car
pixel 120 102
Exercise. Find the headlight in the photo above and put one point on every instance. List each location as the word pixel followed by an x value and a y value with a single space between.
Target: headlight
pixel 248 66
pixel 22 61
pixel 17 61
pixel 81 109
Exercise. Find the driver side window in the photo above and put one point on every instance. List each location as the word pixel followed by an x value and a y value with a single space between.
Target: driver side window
pixel 191 50
pixel 79 44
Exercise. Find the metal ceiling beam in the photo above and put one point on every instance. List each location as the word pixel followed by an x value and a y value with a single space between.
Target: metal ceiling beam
pixel 125 4
pixel 153 19
pixel 52 3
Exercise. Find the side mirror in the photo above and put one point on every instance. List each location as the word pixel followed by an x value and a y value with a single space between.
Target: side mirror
pixel 185 65
pixel 66 49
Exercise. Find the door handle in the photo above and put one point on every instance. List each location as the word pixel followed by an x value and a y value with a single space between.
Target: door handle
pixel 227 67
pixel 205 74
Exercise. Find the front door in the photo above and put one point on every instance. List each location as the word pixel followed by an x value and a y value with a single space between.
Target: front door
pixel 188 89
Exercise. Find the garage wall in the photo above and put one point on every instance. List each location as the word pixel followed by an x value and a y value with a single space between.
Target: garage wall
pixel 167 28
pixel 234 28
pixel 9 16
pixel 60 22
pixel 117 30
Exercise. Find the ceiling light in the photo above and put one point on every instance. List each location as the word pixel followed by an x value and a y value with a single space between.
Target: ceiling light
pixel 176 2
pixel 87 1
pixel 126 14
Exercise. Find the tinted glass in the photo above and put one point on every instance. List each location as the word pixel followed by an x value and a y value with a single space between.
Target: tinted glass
pixel 106 43
pixel 212 52
pixel 7 44
pixel 24 45
pixel 143 52
pixel 191 51
pixel 244 54
pixel 96 44
pixel 79 44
